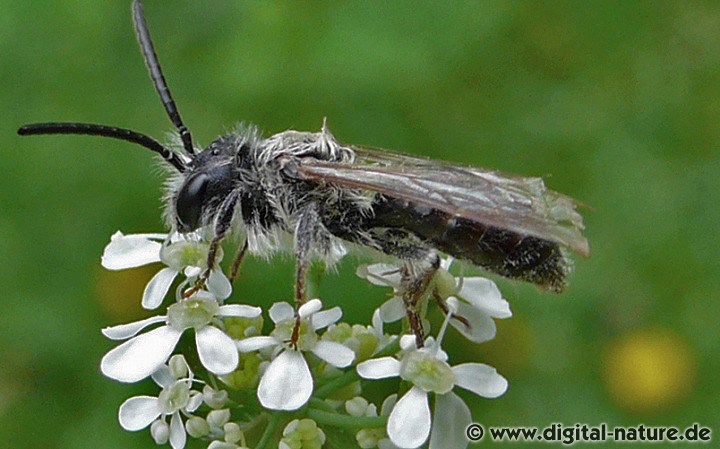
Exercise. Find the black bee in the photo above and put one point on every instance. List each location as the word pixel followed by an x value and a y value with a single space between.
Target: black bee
pixel 320 198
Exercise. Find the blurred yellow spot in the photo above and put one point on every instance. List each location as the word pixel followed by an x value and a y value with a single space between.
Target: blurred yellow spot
pixel 648 370
pixel 120 292
pixel 510 351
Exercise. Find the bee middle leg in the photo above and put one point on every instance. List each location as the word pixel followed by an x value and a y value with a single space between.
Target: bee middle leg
pixel 311 237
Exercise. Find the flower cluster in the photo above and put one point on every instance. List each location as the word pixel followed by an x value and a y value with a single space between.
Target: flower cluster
pixel 228 388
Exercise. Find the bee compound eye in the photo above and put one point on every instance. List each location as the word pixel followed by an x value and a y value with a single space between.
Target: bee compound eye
pixel 189 202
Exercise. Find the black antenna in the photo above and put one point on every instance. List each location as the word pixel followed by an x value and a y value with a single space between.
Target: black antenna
pixel 104 131
pixel 153 66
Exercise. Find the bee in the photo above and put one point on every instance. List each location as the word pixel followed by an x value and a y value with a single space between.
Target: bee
pixel 308 193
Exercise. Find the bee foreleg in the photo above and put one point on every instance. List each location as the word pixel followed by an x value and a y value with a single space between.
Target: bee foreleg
pixel 238 260
pixel 222 224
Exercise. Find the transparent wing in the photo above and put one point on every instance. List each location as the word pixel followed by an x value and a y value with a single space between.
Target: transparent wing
pixel 522 205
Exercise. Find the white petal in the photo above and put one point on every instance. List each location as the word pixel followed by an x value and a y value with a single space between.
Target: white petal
pixel 141 356
pixel 196 400
pixel 158 287
pixel 281 311
pixel 334 353
pixel 163 377
pixel 123 331
pixel 204 295
pixel 377 324
pixel 485 295
pixel 216 349
pixel 254 343
pixel 392 310
pixel 450 420
pixel 287 383
pixel 219 285
pixel 379 368
pixel 192 271
pixel 321 320
pixel 482 326
pixel 383 274
pixel 309 308
pixel 239 310
pixel 128 251
pixel 178 438
pixel 217 444
pixel 481 379
pixel 388 404
pixel 409 422
pixel 138 412
pixel 408 342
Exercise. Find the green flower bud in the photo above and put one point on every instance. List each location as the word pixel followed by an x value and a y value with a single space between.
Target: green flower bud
pixel 160 431
pixel 239 328
pixel 197 427
pixel 247 374
pixel 178 366
pixel 233 434
pixel 218 418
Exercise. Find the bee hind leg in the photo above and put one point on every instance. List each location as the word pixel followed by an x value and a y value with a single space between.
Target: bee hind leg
pixel 446 310
pixel 416 275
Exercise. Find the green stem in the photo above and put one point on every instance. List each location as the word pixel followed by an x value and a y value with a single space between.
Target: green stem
pixel 320 405
pixel 336 384
pixel 390 349
pixel 345 421
pixel 269 431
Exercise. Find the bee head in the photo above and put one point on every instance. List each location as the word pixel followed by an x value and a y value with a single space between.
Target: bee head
pixel 207 183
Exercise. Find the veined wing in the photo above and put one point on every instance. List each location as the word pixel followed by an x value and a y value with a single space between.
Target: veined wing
pixel 518 204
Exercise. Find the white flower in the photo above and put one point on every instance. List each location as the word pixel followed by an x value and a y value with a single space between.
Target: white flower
pixel 143 354
pixel 176 397
pixel 477 300
pixel 409 424
pixel 287 383
pixel 181 253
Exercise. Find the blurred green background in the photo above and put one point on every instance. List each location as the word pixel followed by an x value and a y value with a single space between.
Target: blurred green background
pixel 618 101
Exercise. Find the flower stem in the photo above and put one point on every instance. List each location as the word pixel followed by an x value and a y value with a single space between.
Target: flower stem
pixel 345 421
pixel 336 384
pixel 269 431
pixel 320 405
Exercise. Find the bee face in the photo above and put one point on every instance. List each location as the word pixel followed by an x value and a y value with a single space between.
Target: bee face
pixel 205 186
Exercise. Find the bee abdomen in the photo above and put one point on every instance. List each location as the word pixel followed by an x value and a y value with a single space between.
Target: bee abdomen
pixel 506 253
pixel 500 251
